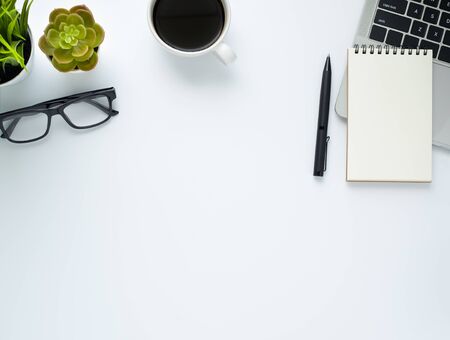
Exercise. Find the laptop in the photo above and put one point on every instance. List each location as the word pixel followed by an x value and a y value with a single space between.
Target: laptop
pixel 411 24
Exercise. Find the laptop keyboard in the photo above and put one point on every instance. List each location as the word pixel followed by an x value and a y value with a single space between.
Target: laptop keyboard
pixel 414 24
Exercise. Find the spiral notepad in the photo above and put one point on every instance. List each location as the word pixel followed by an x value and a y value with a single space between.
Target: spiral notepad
pixel 389 115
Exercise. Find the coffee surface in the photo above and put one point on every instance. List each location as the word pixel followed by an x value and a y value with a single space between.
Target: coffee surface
pixel 189 25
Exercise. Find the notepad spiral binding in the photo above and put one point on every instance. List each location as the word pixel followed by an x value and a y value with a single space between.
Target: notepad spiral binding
pixel 379 49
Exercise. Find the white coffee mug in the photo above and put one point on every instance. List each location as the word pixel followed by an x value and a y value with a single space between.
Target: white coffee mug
pixel 219 48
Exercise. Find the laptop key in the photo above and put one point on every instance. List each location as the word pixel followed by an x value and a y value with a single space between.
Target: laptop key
pixel 433 3
pixel 397 6
pixel 445 20
pixel 428 45
pixel 415 10
pixel 435 33
pixel 410 42
pixel 392 20
pixel 378 33
pixel 445 5
pixel 394 38
pixel 419 28
pixel 431 15
pixel 444 54
pixel 447 38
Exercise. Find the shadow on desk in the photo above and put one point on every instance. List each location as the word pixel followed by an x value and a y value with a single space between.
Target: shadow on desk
pixel 199 71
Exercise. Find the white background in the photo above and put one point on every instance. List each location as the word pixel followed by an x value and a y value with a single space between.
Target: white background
pixel 194 214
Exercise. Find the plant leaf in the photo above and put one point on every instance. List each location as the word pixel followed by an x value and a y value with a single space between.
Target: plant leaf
pixel 63 56
pixel 12 25
pixel 49 26
pixel 99 35
pixel 82 30
pixel 80 50
pixel 11 50
pixel 91 37
pixel 90 64
pixel 64 67
pixel 56 12
pixel 24 17
pixel 53 38
pixel 60 18
pixel 87 16
pixel 75 9
pixel 86 56
pixel 75 19
pixel 45 46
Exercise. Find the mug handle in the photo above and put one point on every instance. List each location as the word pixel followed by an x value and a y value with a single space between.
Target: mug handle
pixel 225 54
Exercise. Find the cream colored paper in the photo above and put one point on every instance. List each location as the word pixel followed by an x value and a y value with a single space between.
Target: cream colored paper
pixel 389 116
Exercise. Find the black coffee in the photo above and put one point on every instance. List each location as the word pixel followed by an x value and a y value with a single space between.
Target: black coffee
pixel 189 25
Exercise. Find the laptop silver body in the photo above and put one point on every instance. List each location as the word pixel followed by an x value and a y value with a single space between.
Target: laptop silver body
pixel 441 82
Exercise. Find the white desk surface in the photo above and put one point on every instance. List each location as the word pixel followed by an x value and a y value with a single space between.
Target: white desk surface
pixel 194 213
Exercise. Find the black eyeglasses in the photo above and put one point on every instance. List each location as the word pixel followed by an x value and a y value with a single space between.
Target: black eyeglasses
pixel 81 111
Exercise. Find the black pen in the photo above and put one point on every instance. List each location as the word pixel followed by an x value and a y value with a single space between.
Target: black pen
pixel 320 165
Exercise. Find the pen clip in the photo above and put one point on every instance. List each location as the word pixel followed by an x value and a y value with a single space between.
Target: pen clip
pixel 326 153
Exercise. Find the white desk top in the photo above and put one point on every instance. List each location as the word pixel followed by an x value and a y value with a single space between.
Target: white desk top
pixel 194 213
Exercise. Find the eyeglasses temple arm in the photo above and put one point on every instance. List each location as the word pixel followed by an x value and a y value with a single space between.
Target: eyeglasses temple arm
pixel 11 127
pixel 100 106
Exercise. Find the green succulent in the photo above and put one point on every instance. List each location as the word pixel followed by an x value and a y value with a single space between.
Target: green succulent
pixel 13 33
pixel 72 38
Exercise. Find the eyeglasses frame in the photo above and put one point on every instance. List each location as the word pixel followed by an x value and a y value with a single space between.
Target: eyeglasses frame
pixel 56 107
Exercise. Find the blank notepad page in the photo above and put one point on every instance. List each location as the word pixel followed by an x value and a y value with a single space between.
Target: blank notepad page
pixel 389 115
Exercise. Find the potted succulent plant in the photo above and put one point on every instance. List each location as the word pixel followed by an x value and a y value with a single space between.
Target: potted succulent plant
pixel 16 42
pixel 72 39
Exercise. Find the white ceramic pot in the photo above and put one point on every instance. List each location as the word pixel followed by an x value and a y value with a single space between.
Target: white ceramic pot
pixel 25 73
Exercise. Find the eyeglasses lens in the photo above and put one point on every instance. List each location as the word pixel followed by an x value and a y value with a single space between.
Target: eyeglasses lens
pixel 89 111
pixel 26 126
